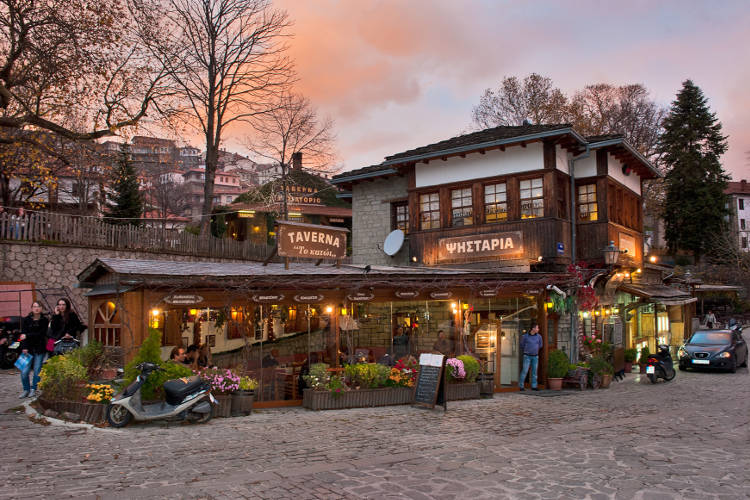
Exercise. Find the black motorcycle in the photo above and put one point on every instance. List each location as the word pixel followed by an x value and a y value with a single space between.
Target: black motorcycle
pixel 10 348
pixel 660 365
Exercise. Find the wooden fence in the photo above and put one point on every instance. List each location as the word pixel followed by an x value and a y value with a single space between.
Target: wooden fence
pixel 52 228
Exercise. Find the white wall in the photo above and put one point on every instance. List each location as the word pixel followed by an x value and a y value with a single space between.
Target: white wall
pixel 586 167
pixel 614 168
pixel 476 166
pixel 561 159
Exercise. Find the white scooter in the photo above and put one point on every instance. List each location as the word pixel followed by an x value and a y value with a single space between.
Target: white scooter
pixel 187 398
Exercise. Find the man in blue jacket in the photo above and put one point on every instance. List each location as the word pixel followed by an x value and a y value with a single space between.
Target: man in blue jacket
pixel 531 344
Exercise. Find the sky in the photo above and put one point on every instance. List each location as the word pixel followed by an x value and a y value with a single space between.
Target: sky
pixel 399 74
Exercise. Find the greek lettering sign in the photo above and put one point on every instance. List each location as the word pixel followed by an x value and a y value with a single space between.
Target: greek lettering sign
pixel 488 292
pixel 311 241
pixel 360 297
pixel 481 247
pixel 308 299
pixel 268 298
pixel 182 299
pixel 441 295
pixel 407 294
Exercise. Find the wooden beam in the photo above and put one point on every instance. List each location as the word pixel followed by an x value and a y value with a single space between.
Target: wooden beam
pixel 444 158
pixel 462 155
pixel 502 148
pixel 426 161
pixel 481 151
pixel 523 144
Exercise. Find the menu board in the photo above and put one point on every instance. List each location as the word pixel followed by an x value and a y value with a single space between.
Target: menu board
pixel 430 384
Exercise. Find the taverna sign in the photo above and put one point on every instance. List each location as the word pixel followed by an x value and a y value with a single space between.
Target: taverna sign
pixel 311 241
pixel 481 247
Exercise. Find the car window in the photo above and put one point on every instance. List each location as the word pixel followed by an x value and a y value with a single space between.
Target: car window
pixel 711 338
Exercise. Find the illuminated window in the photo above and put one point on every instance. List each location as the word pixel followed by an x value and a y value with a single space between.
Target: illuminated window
pixel 495 203
pixel 461 207
pixel 107 324
pixel 587 207
pixel 400 216
pixel 532 198
pixel 429 211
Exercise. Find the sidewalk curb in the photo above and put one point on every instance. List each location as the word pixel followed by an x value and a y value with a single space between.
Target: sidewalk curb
pixel 32 412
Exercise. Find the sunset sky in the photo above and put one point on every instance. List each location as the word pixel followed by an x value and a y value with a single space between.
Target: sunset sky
pixel 400 74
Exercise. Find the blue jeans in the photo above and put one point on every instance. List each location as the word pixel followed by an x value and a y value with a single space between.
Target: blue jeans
pixel 529 361
pixel 36 363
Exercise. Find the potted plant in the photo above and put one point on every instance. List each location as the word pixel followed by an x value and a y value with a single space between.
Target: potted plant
pixel 557 369
pixel 462 372
pixel 223 383
pixel 630 355
pixel 643 359
pixel 242 398
pixel 602 369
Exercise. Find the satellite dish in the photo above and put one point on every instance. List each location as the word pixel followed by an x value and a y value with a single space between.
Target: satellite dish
pixel 393 242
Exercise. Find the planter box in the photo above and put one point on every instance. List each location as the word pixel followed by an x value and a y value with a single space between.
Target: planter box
pixel 224 408
pixel 363 398
pixel 92 413
pixel 456 392
pixel 242 403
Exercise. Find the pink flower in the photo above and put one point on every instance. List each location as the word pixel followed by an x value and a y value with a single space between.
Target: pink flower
pixel 599 340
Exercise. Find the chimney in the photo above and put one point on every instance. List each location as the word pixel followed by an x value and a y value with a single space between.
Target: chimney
pixel 297 160
pixel 743 183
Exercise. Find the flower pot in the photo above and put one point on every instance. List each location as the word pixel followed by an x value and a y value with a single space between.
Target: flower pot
pixel 361 398
pixel 242 403
pixel 459 391
pixel 224 408
pixel 628 366
pixel 486 384
pixel 606 380
pixel 554 384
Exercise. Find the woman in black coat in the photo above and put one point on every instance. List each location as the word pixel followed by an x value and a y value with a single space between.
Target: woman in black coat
pixel 65 323
pixel 33 342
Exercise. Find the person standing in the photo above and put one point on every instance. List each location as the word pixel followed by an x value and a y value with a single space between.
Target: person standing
pixel 710 319
pixel 33 342
pixel 531 343
pixel 65 323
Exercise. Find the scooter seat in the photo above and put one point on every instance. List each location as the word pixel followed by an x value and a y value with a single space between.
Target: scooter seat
pixel 176 390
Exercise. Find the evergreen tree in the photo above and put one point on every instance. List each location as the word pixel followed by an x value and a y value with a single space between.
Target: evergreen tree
pixel 691 144
pixel 126 205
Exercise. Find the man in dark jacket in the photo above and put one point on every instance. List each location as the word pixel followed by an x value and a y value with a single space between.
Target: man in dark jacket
pixel 531 344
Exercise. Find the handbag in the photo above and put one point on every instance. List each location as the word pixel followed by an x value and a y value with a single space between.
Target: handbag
pixel 23 361
pixel 50 345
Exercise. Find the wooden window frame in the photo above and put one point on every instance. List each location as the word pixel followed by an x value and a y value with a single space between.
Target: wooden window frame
pixel 495 203
pixel 532 198
pixel 435 222
pixel 588 202
pixel 395 222
pixel 462 196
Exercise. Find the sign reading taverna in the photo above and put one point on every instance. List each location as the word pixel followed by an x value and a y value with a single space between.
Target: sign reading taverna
pixel 508 245
pixel 311 241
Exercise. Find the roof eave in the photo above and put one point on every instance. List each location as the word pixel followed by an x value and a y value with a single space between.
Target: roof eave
pixel 619 141
pixel 366 175
pixel 489 144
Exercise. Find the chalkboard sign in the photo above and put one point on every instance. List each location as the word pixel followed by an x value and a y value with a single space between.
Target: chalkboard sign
pixel 430 384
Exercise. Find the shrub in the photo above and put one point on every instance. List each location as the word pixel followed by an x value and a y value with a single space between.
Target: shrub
pixel 367 375
pixel 557 364
pixel 318 377
pixel 630 355
pixel 248 384
pixel 150 352
pixel 471 367
pixel 644 355
pixel 93 356
pixel 600 366
pixel 62 377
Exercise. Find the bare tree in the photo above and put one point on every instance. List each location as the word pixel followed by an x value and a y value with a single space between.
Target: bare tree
pixel 59 56
pixel 26 170
pixel 87 169
pixel 535 99
pixel 292 126
pixel 164 193
pixel 225 59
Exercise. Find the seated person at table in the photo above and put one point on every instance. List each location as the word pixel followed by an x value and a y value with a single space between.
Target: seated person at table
pixel 442 344
pixel 269 360
pixel 400 343
pixel 177 355
pixel 191 355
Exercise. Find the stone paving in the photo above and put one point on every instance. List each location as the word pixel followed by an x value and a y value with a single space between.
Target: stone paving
pixel 689 438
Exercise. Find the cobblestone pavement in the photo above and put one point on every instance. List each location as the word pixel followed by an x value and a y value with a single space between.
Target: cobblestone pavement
pixel 689 438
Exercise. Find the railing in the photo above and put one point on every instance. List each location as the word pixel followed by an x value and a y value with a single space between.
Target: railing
pixel 52 228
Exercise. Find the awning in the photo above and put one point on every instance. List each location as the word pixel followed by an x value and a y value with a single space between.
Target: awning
pixel 660 294
pixel 107 290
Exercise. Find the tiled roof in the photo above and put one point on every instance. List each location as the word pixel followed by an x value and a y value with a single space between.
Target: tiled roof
pixel 605 137
pixel 359 171
pixel 737 188
pixel 487 135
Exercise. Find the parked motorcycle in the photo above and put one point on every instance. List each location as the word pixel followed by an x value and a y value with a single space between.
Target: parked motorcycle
pixel 187 398
pixel 660 365
pixel 10 330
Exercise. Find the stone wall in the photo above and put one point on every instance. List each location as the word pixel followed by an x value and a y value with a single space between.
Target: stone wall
pixel 371 220
pixel 57 266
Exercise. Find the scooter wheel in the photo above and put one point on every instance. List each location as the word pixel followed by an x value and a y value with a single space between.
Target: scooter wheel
pixel 652 378
pixel 668 378
pixel 200 418
pixel 118 416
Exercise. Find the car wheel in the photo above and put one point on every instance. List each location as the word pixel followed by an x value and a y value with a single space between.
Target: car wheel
pixel 744 363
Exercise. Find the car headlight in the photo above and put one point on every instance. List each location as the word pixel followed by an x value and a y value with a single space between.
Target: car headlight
pixel 681 352
pixel 724 355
